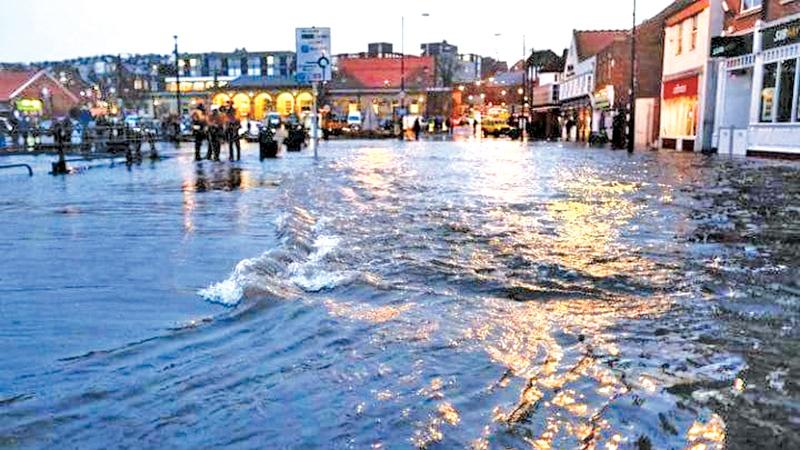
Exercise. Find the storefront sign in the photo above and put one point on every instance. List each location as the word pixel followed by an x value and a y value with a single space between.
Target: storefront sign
pixel 786 34
pixel 731 46
pixel 684 87
pixel 604 98
pixel 29 105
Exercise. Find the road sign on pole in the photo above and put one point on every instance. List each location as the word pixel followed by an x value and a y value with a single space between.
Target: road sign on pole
pixel 313 55
pixel 314 66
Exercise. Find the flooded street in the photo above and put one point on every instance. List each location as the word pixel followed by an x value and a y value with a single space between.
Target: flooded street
pixel 475 294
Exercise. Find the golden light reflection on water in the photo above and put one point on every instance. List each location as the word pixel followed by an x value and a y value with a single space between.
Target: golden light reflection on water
pixel 366 313
pixel 707 436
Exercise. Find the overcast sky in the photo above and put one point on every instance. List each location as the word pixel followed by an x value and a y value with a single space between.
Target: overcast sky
pixel 35 30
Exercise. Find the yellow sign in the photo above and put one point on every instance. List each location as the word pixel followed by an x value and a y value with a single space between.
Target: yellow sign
pixel 29 105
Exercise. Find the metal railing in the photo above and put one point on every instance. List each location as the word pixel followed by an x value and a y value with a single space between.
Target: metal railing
pixel 12 166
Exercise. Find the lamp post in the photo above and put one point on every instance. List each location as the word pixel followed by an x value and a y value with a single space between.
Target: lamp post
pixel 632 96
pixel 177 78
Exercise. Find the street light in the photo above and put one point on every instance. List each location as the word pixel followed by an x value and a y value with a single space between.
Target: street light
pixel 177 77
pixel 632 96
pixel 403 59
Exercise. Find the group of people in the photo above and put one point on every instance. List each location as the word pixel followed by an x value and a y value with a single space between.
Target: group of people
pixel 218 126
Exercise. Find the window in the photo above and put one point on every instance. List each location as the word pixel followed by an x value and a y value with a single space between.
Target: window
pixel 694 20
pixel 254 66
pixel 786 93
pixel 679 43
pixel 768 92
pixel 750 4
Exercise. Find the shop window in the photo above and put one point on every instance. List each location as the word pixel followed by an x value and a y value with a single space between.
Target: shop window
pixel 768 92
pixel 679 42
pixel 786 90
pixel 750 4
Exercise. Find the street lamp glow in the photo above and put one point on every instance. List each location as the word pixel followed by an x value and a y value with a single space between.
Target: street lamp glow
pixel 520 91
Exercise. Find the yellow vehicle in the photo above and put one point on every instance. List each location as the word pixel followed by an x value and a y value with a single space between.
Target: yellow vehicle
pixel 496 127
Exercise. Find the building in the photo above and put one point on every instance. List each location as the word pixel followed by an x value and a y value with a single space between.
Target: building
pixel 438 49
pixel 578 83
pixel 469 68
pixel 380 48
pixel 388 83
pixel 688 80
pixel 544 71
pixel 203 74
pixel 34 93
pixel 756 56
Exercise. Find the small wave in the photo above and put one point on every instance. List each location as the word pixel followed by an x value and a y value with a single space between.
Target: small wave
pixel 300 263
pixel 231 291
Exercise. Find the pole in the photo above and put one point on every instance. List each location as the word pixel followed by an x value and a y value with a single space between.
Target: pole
pixel 177 79
pixel 632 97
pixel 315 120
pixel 403 62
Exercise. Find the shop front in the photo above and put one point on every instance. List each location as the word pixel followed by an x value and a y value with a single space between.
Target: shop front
pixel 603 114
pixel 734 87
pixel 680 106
pixel 576 119
pixel 775 115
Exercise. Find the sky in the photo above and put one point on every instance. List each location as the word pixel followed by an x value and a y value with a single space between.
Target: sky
pixel 38 30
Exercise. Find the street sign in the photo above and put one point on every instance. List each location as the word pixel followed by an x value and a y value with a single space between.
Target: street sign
pixel 313 55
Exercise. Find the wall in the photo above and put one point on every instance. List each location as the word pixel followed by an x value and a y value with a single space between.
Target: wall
pixel 689 59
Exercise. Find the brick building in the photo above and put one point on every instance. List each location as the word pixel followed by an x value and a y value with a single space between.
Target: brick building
pixel 758 83
pixel 34 93
pixel 360 81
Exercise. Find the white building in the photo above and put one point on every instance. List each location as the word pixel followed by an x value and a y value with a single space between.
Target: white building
pixel 578 83
pixel 688 80
pixel 759 87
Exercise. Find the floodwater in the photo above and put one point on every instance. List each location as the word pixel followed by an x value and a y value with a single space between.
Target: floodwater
pixel 402 295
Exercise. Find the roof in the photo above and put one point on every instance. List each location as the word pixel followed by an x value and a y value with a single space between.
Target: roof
pixel 12 80
pixel 590 43
pixel 684 10
pixel 381 73
pixel 263 82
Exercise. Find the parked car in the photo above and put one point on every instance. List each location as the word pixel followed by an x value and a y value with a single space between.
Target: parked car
pixel 252 130
pixel 273 120
pixel 354 120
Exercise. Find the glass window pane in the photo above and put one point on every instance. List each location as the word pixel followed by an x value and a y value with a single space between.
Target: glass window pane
pixel 768 92
pixel 786 94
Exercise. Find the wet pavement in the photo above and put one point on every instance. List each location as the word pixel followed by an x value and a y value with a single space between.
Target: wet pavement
pixel 419 295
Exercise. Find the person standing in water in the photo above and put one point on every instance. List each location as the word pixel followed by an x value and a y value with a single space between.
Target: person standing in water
pixel 199 125
pixel 232 127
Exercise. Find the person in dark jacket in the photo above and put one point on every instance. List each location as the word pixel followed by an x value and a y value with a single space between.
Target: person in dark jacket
pixel 216 129
pixel 417 128
pixel 232 130
pixel 199 125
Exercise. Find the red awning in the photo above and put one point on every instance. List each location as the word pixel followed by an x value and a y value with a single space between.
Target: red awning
pixel 682 87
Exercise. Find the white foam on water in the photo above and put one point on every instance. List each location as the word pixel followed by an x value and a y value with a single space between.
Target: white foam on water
pixel 229 292
pixel 310 276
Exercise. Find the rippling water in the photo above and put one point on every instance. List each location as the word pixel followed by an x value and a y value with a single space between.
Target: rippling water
pixel 428 295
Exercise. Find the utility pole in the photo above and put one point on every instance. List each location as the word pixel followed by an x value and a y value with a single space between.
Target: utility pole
pixel 403 62
pixel 177 78
pixel 632 96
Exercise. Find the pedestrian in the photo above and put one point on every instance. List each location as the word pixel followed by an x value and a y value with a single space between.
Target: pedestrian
pixel 234 140
pixel 199 125
pixel 474 126
pixel 216 128
pixel 417 128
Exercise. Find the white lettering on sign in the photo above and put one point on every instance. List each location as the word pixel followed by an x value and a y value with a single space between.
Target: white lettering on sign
pixel 680 89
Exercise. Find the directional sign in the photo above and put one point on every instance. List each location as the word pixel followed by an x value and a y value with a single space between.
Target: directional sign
pixel 313 55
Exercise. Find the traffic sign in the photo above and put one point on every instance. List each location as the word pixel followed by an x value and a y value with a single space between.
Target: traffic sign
pixel 313 55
